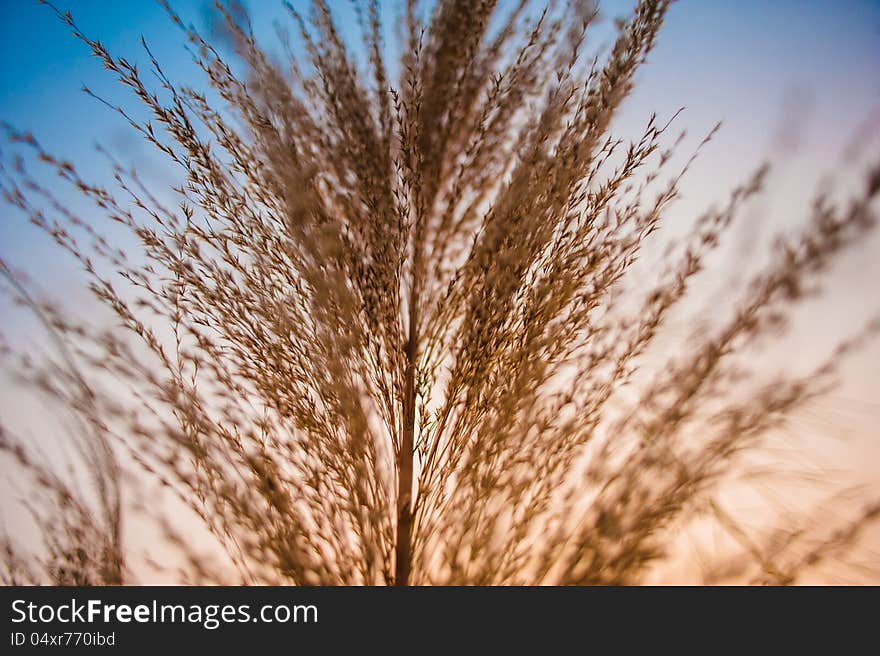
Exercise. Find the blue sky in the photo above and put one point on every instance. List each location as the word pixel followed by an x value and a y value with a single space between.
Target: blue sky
pixel 722 59
pixel 744 62
pixel 769 70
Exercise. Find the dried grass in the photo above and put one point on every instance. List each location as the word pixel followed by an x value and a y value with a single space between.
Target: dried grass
pixel 375 342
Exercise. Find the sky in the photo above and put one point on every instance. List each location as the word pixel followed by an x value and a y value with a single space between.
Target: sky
pixel 775 73
pixel 797 81
pixel 737 61
pixel 794 80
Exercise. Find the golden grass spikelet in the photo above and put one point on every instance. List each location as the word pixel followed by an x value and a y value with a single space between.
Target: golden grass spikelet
pixel 376 342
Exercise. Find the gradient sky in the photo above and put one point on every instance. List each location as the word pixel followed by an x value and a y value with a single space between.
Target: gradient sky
pixel 737 61
pixel 795 79
pixel 806 67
